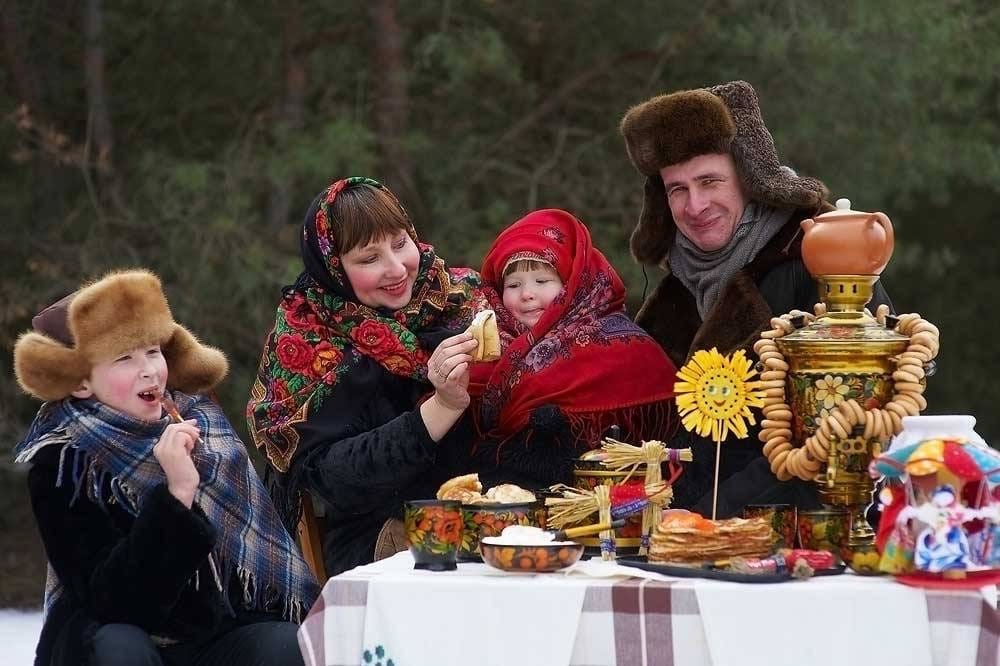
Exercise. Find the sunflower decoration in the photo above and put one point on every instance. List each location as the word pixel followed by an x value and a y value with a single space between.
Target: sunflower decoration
pixel 715 394
pixel 714 397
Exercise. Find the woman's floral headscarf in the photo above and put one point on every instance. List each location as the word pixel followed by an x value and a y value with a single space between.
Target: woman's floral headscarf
pixel 322 330
pixel 584 355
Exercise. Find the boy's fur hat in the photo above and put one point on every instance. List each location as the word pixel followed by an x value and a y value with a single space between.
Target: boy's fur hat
pixel 670 129
pixel 114 315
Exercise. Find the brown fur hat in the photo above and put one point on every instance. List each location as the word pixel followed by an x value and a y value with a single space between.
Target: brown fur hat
pixel 114 315
pixel 670 129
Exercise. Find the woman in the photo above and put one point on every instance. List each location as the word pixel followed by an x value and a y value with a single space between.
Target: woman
pixel 362 337
pixel 574 364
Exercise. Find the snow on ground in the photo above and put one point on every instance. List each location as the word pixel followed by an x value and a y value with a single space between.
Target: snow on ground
pixel 18 636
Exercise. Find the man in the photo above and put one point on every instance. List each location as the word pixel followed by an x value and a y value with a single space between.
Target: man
pixel 722 215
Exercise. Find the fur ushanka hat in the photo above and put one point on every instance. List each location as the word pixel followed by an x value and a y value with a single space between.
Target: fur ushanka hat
pixel 112 316
pixel 670 129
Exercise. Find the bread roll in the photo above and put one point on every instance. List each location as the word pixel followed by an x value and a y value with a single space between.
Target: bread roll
pixel 484 330
pixel 459 487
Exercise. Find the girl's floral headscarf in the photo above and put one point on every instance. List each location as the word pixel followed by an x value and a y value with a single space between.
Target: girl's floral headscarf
pixel 584 355
pixel 322 330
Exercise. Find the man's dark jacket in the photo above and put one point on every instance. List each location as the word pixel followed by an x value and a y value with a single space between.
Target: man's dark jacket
pixel 774 283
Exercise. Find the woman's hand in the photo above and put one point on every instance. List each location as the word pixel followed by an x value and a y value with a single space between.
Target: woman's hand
pixel 173 452
pixel 448 371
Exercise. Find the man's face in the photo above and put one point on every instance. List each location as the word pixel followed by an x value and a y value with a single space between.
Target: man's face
pixel 706 199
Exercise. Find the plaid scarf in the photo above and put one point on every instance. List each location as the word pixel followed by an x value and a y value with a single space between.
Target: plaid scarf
pixel 322 331
pixel 116 449
pixel 583 355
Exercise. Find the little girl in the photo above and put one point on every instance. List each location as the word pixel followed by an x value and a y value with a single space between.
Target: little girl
pixel 573 363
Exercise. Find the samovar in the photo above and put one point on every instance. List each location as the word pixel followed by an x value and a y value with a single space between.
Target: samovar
pixel 841 355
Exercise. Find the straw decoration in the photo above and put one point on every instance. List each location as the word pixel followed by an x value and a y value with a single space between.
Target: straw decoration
pixel 653 453
pixel 607 537
pixel 577 505
pixel 620 455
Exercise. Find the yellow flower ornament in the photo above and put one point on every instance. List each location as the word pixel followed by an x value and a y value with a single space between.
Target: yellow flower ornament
pixel 715 394
pixel 714 397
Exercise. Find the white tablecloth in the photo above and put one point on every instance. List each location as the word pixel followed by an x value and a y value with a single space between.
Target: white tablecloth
pixel 390 615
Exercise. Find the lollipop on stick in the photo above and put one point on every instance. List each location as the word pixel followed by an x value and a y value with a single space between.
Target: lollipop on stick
pixel 171 407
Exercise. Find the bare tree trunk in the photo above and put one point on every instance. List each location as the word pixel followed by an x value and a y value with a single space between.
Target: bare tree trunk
pixel 100 130
pixel 290 115
pixel 25 85
pixel 25 82
pixel 392 110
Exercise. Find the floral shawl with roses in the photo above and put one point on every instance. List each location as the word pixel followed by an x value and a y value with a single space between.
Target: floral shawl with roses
pixel 584 355
pixel 322 331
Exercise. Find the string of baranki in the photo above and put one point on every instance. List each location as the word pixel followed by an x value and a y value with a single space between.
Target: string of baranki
pixel 840 422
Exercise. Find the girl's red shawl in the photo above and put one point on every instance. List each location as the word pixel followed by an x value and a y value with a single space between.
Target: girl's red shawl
pixel 584 355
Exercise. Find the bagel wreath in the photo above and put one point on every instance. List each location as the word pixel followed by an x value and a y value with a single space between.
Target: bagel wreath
pixel 804 462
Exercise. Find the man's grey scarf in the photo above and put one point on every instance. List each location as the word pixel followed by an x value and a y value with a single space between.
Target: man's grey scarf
pixel 706 273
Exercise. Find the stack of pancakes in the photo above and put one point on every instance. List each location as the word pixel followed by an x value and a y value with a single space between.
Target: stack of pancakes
pixel 687 538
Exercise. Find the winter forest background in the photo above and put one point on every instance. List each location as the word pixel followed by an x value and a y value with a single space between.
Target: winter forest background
pixel 189 137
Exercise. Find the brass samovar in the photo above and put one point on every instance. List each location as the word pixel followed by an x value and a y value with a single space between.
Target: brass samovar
pixel 844 354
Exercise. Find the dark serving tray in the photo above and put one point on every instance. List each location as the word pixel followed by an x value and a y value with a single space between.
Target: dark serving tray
pixel 639 562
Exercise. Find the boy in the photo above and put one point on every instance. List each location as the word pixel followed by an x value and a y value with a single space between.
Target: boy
pixel 163 546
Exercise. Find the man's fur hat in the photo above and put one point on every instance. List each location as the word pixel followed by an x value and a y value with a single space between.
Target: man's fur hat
pixel 114 315
pixel 670 129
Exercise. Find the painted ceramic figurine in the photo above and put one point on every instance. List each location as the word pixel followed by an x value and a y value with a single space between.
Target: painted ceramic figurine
pixel 942 544
pixel 940 522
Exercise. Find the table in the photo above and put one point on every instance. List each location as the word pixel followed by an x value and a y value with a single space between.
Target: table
pixel 387 614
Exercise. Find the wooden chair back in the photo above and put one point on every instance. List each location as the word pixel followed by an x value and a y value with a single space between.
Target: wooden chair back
pixel 309 539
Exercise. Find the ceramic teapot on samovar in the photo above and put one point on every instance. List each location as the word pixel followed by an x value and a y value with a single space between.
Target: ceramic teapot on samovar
pixel 849 377
pixel 847 242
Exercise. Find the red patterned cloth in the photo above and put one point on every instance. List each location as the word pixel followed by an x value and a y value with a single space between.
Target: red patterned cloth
pixel 584 356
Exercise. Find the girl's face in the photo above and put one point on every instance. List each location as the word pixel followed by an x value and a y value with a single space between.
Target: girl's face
pixel 382 273
pixel 131 383
pixel 526 293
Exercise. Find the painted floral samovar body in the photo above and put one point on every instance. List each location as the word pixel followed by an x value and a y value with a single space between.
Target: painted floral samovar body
pixel 841 369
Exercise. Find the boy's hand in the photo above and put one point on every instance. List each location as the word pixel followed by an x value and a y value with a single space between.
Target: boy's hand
pixel 173 452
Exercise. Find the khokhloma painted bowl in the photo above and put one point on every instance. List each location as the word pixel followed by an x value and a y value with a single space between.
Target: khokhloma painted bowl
pixel 530 558
pixel 490 519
